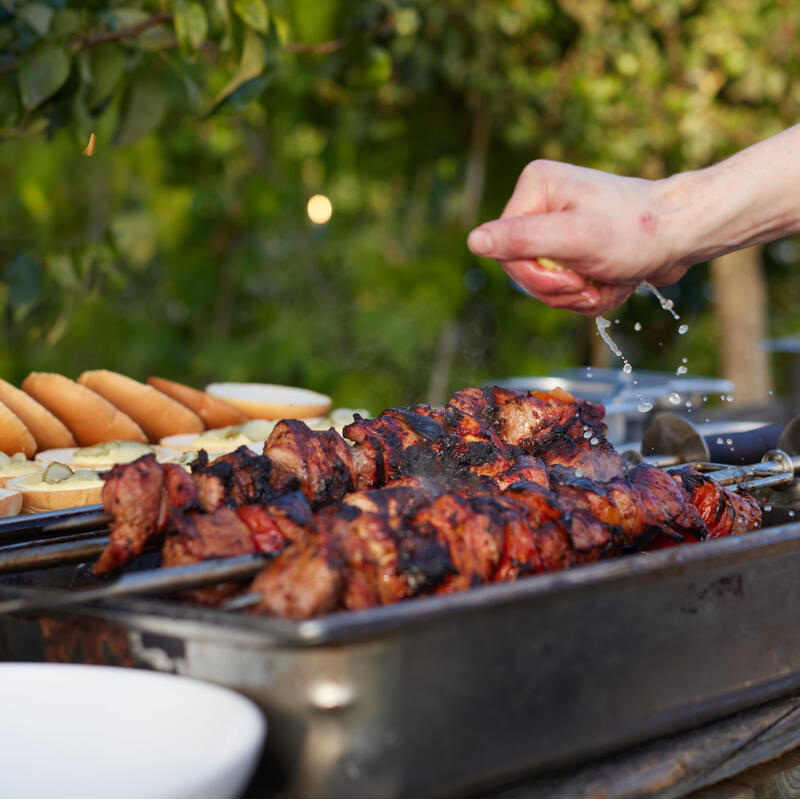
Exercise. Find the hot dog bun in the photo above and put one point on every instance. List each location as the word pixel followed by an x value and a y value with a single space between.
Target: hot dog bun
pixel 270 401
pixel 38 496
pixel 14 435
pixel 156 414
pixel 10 502
pixel 48 430
pixel 90 417
pixel 215 412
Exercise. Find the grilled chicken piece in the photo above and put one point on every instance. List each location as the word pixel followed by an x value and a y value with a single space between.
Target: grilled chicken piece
pixel 598 461
pixel 233 479
pixel 533 419
pixel 133 495
pixel 547 523
pixel 305 580
pixel 641 505
pixel 275 524
pixel 394 432
pixel 525 469
pixel 471 534
pixel 197 536
pixel 319 463
pixel 725 513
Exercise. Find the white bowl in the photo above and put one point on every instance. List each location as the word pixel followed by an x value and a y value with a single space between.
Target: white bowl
pixel 71 730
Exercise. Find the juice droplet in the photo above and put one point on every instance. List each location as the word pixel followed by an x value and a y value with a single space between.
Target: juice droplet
pixel 682 329
pixel 637 326
pixel 681 370
pixel 729 398
pixel 674 398
pixel 666 304
pixel 689 405
pixel 593 440
pixel 579 473
pixel 627 368
pixel 587 434
pixel 684 360
pixel 602 325
pixel 767 507
pixel 644 407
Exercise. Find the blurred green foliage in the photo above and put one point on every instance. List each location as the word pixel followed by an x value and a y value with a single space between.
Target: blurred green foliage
pixel 181 247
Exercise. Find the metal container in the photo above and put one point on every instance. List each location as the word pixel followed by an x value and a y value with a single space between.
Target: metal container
pixel 458 693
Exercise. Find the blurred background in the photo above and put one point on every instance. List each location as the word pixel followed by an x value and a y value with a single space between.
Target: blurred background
pixel 157 160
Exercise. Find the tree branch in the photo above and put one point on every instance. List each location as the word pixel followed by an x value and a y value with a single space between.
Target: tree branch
pixel 166 17
pixel 102 36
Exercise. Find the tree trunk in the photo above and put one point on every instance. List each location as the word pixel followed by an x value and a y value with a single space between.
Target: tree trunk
pixel 740 307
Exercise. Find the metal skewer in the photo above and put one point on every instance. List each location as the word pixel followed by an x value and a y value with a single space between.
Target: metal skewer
pixel 777 469
pixel 161 580
pixel 48 553
pixel 74 520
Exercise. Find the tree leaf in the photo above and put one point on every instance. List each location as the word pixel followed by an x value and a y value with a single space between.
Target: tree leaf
pixel 60 268
pixel 221 24
pixel 143 108
pixel 9 104
pixel 66 22
pixel 38 16
pixel 253 13
pixel 42 72
pixel 24 276
pixel 191 25
pixel 254 59
pixel 107 63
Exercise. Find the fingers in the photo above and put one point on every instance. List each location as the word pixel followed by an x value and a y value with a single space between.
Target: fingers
pixel 591 300
pixel 557 235
pixel 535 279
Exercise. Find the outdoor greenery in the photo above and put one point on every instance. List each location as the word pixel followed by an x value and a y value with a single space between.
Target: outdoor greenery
pixel 181 245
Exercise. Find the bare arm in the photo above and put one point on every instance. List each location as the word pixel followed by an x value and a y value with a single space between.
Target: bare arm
pixel 617 231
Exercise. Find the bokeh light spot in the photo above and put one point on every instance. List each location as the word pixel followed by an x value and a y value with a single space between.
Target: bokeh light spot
pixel 319 209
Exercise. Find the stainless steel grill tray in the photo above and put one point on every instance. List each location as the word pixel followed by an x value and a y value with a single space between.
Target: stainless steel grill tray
pixel 463 692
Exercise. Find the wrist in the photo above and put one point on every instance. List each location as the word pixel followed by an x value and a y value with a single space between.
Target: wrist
pixel 748 199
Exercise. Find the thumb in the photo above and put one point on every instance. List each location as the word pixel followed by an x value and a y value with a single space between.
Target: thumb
pixel 553 235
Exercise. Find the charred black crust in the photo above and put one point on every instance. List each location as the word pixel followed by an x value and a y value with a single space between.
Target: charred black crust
pixel 427 427
pixel 259 467
pixel 425 562
pixel 295 506
pixel 690 479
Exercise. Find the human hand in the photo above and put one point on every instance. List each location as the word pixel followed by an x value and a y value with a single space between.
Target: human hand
pixel 610 232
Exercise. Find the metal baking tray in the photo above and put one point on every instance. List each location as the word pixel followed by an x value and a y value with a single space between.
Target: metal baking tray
pixel 467 692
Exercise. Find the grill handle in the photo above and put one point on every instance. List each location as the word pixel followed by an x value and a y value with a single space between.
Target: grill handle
pixel 671 440
pixel 743 447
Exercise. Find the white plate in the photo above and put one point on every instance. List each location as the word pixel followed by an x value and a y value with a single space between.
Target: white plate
pixel 70 730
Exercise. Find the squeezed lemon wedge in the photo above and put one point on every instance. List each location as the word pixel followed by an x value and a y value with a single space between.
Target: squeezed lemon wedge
pixel 551 264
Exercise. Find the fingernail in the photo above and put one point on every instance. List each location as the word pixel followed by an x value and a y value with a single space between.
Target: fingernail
pixel 479 242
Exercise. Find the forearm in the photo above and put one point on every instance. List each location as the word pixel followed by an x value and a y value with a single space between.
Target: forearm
pixel 750 198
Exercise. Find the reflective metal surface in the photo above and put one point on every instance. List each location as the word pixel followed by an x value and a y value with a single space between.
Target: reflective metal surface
pixel 455 693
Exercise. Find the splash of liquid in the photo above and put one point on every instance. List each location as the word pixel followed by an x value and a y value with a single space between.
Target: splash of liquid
pixel 666 303
pixel 602 325
pixel 602 328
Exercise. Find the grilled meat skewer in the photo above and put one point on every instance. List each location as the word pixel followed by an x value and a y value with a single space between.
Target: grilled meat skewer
pixel 494 486
pixel 451 445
